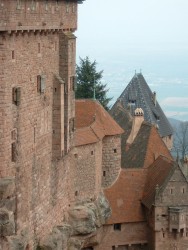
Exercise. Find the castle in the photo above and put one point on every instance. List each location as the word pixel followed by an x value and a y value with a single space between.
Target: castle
pixel 62 184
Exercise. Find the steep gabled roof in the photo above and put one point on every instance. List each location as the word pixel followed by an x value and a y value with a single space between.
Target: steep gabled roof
pixel 93 122
pixel 135 155
pixel 146 147
pixel 137 94
pixel 158 175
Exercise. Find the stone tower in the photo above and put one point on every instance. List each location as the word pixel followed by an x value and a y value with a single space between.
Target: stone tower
pixel 37 74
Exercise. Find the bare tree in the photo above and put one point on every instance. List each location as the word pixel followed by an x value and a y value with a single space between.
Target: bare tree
pixel 181 139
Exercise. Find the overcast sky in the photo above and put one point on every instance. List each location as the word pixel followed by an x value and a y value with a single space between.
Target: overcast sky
pixel 128 35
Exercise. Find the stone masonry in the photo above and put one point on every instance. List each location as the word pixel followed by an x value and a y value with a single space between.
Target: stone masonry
pixel 37 71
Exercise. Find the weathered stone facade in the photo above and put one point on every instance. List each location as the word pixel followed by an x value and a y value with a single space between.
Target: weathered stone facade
pixel 37 72
pixel 50 192
pixel 54 169
pixel 168 216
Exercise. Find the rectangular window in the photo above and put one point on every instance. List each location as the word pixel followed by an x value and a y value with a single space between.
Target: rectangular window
pixel 117 227
pixel 72 83
pixel 16 95
pixel 41 83
pixel 13 152
pixel 13 54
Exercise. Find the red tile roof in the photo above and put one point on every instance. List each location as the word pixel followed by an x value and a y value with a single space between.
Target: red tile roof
pixel 158 174
pixel 146 147
pixel 85 136
pixel 125 196
pixel 96 122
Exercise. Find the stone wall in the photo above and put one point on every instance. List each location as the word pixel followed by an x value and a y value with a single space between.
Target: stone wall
pixel 129 236
pixel 88 173
pixel 32 118
pixel 31 15
pixel 27 121
pixel 111 161
pixel 169 218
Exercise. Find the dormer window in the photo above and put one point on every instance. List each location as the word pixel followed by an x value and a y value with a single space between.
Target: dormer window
pixel 132 102
pixel 156 115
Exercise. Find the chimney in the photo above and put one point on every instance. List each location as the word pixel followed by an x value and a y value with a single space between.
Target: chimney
pixel 154 98
pixel 137 122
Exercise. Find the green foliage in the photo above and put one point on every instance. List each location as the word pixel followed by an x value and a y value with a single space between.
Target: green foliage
pixel 88 80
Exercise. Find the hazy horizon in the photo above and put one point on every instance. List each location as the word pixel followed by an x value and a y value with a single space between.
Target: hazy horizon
pixel 131 35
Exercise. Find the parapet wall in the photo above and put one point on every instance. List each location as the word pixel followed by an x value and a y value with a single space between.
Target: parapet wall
pixel 36 15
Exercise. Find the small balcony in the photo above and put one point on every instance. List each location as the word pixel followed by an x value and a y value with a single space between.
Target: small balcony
pixel 177 219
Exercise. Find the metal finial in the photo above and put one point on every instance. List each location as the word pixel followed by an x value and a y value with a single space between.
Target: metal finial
pixel 140 71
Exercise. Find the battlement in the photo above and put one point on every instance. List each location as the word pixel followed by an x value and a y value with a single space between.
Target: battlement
pixel 21 15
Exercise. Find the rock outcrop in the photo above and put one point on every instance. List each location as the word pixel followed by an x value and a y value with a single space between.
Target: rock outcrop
pixel 84 219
